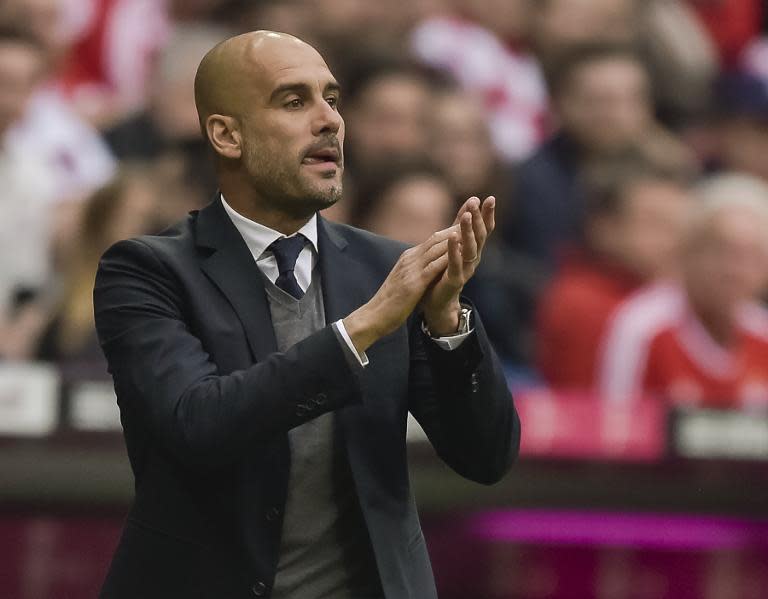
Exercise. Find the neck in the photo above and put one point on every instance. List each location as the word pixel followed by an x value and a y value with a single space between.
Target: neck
pixel 254 207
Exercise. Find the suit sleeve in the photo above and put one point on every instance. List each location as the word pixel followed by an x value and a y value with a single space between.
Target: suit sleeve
pixel 462 401
pixel 165 379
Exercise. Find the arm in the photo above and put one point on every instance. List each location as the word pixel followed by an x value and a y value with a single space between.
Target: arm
pixel 460 397
pixel 462 402
pixel 165 379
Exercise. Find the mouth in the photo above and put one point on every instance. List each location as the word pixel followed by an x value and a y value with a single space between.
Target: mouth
pixel 325 157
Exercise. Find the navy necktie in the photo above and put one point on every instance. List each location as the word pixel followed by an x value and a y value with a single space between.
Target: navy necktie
pixel 286 250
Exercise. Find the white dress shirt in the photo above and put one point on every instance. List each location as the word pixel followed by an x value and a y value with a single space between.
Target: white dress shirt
pixel 259 237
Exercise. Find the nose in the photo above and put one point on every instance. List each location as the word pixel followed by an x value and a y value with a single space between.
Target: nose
pixel 327 120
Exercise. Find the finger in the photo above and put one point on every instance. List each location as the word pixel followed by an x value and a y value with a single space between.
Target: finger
pixel 435 251
pixel 455 262
pixel 435 268
pixel 478 226
pixel 489 213
pixel 468 242
pixel 437 237
pixel 464 208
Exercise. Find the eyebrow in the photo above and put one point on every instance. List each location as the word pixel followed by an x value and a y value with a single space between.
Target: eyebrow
pixel 302 89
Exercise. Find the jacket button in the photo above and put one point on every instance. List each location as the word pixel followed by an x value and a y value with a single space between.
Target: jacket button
pixel 272 514
pixel 259 589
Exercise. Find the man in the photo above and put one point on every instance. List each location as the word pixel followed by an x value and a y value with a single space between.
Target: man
pixel 635 214
pixel 703 341
pixel 387 108
pixel 27 206
pixel 601 97
pixel 264 401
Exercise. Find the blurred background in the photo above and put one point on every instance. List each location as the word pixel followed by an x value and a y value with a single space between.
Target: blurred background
pixel 625 288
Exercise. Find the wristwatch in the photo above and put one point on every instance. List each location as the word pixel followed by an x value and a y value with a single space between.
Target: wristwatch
pixel 464 324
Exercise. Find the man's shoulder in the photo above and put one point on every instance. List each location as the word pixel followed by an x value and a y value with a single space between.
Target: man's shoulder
pixel 366 245
pixel 173 243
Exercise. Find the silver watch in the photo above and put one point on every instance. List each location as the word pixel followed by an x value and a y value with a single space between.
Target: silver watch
pixel 464 318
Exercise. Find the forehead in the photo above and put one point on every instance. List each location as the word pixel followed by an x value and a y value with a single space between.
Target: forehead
pixel 275 62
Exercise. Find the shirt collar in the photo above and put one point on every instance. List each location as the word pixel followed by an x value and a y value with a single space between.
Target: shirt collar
pixel 259 237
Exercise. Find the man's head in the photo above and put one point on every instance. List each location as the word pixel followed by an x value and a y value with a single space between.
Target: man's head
pixel 407 202
pixel 460 142
pixel 387 113
pixel 636 215
pixel 268 105
pixel 725 257
pixel 602 96
pixel 22 64
pixel 741 107
pixel 558 25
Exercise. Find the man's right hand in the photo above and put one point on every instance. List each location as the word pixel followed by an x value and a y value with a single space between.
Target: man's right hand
pixel 402 290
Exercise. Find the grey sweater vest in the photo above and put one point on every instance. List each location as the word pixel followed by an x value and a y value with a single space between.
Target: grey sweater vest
pixel 325 552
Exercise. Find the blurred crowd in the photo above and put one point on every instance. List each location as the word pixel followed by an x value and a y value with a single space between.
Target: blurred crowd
pixel 626 142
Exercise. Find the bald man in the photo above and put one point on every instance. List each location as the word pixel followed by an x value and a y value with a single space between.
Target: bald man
pixel 265 361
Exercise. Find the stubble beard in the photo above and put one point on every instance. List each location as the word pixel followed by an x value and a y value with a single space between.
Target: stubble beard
pixel 290 192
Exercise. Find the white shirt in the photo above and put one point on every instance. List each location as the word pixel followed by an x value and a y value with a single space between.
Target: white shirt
pixel 77 159
pixel 26 207
pixel 259 237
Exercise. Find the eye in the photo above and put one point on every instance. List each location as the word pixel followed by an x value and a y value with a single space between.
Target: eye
pixel 333 101
pixel 295 103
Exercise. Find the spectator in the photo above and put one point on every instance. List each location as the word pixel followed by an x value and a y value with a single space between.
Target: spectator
pixel 635 212
pixel 27 199
pixel 741 123
pixel 76 158
pixel 482 45
pixel 675 45
pixel 704 340
pixel 386 106
pixel 407 203
pixel 556 26
pixel 126 207
pixel 602 98
pixel 461 147
pixel 170 124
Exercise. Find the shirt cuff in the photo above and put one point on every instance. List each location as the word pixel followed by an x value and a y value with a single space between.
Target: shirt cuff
pixel 361 357
pixel 452 342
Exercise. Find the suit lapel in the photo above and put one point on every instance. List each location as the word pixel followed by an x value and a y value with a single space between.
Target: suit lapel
pixel 233 270
pixel 343 276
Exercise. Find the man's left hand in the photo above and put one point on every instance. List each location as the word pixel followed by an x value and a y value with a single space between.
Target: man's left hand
pixel 441 301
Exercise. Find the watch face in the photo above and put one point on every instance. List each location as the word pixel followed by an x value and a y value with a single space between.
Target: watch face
pixel 464 320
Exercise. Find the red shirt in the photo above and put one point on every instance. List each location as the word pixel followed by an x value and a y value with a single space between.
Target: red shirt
pixel 656 344
pixel 731 23
pixel 572 318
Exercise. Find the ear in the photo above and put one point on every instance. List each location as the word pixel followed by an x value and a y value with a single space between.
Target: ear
pixel 224 134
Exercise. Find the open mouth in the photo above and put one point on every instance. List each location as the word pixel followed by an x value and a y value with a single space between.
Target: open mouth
pixel 324 156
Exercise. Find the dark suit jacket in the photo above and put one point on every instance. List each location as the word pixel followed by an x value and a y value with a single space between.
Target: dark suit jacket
pixel 206 403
